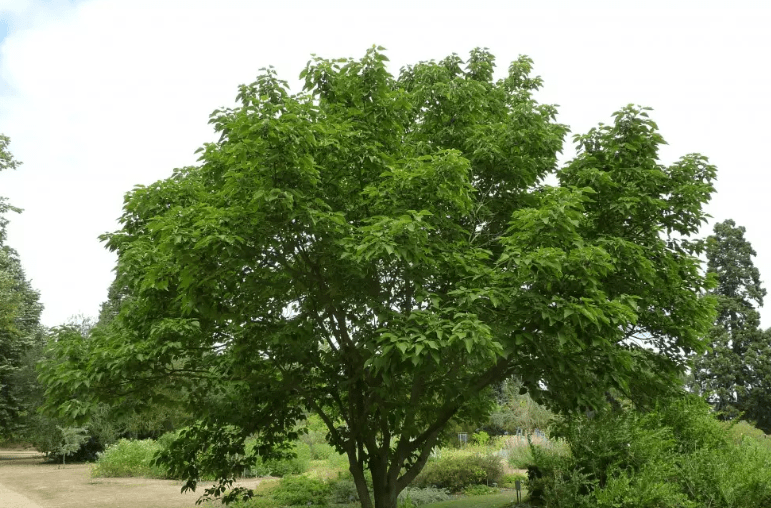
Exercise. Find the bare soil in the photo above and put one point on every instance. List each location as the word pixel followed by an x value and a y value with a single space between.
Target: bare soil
pixel 26 481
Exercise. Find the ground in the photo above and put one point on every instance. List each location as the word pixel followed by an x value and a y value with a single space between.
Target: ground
pixel 27 482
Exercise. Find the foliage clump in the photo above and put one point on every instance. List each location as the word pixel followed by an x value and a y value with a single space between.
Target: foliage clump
pixel 127 458
pixel 295 462
pixel 677 455
pixel 455 472
pixel 420 496
pixel 303 491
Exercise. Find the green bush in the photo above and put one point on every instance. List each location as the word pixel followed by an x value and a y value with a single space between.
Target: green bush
pixel 509 480
pixel 677 455
pixel 281 467
pixel 733 477
pixel 480 438
pixel 479 490
pixel 256 502
pixel 301 490
pixel 456 472
pixel 321 451
pixel 343 491
pixel 416 497
pixel 519 457
pixel 127 459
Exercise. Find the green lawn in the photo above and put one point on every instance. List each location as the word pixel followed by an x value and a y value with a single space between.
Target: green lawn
pixel 503 500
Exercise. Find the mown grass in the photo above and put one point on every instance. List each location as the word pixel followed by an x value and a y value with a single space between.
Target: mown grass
pixel 501 500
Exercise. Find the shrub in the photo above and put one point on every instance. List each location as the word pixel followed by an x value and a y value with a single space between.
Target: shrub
pixel 127 459
pixel 256 502
pixel 509 480
pixel 518 454
pixel 301 490
pixel 315 437
pixel 456 472
pixel 479 490
pixel 166 439
pixel 321 451
pixel 343 491
pixel 480 438
pixel 280 467
pixel 739 476
pixel 416 497
pixel 677 455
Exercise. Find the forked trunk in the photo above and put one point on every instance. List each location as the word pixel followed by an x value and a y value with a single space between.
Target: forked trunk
pixel 384 493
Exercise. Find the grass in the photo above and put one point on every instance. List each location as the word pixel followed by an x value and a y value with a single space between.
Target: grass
pixel 502 500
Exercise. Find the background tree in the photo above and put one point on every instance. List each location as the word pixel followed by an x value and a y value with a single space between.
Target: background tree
pixel 516 410
pixel 379 250
pixel 71 346
pixel 20 330
pixel 736 371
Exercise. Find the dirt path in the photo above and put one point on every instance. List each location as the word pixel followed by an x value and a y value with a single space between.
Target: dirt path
pixel 27 482
pixel 10 499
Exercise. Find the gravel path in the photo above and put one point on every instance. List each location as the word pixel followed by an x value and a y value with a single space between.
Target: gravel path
pixel 9 498
pixel 26 481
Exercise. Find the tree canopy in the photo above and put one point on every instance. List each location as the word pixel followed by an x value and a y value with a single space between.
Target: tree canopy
pixel 736 372
pixel 378 249
pixel 20 311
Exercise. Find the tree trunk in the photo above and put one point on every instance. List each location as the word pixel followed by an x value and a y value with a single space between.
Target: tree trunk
pixel 384 492
pixel 384 489
pixel 386 499
pixel 361 484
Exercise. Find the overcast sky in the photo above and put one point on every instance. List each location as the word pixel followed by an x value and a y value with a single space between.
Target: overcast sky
pixel 100 95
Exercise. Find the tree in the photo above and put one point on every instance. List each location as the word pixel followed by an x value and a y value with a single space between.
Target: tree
pixel 736 371
pixel 516 411
pixel 70 441
pixel 20 330
pixel 68 349
pixel 378 250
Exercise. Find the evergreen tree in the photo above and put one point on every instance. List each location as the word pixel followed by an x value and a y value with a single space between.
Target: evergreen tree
pixel 736 372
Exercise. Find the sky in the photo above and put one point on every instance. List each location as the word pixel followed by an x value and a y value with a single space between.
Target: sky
pixel 98 96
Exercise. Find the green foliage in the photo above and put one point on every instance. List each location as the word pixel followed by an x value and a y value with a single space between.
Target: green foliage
pixel 735 477
pixel 456 472
pixel 256 502
pixel 380 250
pixel 20 332
pixel 509 480
pixel 412 496
pixel 283 467
pixel 480 490
pixel 343 491
pixel 736 372
pixel 481 438
pixel 516 410
pixel 302 490
pixel 677 455
pixel 294 462
pixel 315 437
pixel 739 431
pixel 128 458
pixel 70 440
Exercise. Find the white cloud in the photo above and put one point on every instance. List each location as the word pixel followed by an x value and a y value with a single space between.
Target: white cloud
pixel 101 95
